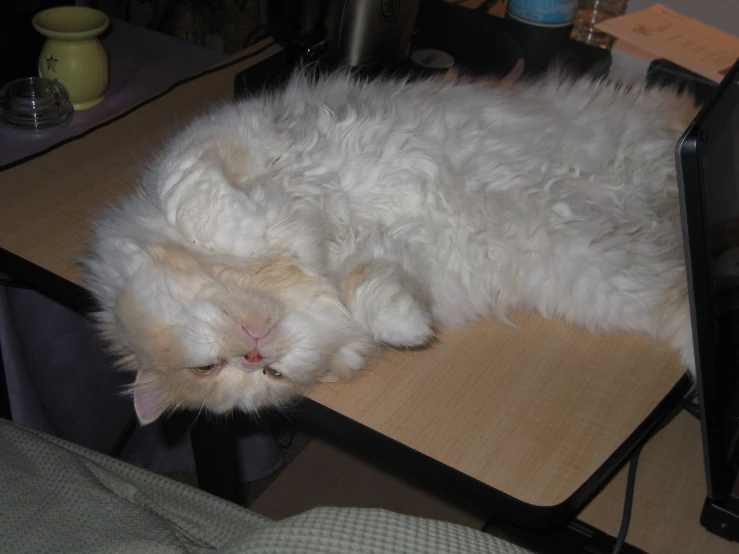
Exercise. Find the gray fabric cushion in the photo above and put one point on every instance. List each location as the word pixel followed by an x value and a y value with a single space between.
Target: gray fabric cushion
pixel 367 531
pixel 59 497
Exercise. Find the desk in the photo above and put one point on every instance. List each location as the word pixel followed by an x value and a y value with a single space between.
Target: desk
pixel 531 419
pixel 539 412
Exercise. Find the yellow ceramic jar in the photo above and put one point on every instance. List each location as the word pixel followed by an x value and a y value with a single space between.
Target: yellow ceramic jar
pixel 72 53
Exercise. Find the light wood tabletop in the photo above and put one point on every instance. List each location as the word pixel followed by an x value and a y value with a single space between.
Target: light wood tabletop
pixel 532 410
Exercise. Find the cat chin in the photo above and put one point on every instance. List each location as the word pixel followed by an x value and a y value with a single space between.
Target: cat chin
pixel 273 396
pixel 157 392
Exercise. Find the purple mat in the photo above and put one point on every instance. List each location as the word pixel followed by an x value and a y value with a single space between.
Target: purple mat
pixel 142 64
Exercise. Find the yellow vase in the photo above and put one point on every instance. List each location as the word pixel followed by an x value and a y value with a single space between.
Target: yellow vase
pixel 72 53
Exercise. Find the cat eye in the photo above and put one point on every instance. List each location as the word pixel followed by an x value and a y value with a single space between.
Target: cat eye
pixel 205 368
pixel 272 371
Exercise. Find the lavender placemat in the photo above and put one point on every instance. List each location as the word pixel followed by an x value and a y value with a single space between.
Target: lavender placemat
pixel 142 64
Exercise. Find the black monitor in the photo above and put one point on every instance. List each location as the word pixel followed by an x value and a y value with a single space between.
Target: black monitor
pixel 708 176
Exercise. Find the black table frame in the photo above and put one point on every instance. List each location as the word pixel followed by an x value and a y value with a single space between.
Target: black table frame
pixel 214 445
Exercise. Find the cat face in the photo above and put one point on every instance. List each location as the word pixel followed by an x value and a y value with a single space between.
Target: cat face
pixel 206 334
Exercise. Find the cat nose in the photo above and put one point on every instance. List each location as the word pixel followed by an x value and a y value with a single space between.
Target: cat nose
pixel 253 356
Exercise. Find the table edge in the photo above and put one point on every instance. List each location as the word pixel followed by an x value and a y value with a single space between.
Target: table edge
pixel 469 489
pixel 356 435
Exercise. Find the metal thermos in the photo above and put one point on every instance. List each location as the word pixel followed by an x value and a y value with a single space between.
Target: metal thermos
pixel 368 32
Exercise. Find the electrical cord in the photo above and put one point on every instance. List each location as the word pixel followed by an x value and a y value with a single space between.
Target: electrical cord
pixel 126 433
pixel 690 406
pixel 255 35
pixel 628 501
pixel 288 442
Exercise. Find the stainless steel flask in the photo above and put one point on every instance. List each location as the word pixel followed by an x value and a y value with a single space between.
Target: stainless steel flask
pixel 368 32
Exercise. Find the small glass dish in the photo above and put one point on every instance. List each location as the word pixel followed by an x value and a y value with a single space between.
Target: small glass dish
pixel 34 106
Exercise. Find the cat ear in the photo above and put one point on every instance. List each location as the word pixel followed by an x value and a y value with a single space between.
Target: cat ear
pixel 148 400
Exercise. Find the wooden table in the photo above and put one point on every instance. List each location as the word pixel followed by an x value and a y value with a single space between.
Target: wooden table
pixel 530 418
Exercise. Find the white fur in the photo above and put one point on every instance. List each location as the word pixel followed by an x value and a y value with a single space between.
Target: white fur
pixel 461 200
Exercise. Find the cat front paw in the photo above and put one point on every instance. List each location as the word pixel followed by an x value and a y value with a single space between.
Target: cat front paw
pixel 389 304
pixel 397 318
pixel 348 361
pixel 403 323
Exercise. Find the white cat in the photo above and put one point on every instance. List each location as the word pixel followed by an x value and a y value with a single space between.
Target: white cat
pixel 277 240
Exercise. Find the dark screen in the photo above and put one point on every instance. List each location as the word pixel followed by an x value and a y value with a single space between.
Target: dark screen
pixel 720 178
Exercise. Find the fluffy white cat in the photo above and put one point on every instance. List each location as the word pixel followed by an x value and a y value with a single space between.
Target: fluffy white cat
pixel 278 239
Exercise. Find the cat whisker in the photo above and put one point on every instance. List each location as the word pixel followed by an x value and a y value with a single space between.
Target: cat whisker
pixel 257 416
pixel 340 306
pixel 201 409
pixel 331 330
pixel 196 337
pixel 304 349
pixel 287 221
pixel 283 409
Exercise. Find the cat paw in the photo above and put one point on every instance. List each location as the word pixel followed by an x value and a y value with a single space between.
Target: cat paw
pixel 386 302
pixel 347 362
pixel 396 318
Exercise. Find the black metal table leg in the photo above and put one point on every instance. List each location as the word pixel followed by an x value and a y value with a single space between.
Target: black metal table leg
pixel 214 446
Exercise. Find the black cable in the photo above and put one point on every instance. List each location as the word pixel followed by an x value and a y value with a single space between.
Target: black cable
pixel 628 501
pixel 693 408
pixel 255 35
pixel 288 442
pixel 128 429
pixel 690 406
